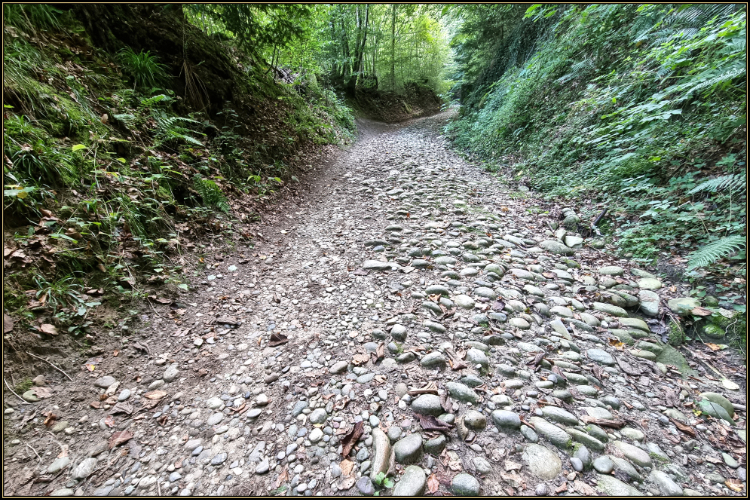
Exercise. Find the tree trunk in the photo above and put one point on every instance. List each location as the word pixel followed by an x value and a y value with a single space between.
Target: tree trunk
pixel 393 47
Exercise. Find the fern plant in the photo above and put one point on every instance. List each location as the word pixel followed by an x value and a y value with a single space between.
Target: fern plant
pixel 715 251
pixel 721 183
pixel 170 130
pixel 210 193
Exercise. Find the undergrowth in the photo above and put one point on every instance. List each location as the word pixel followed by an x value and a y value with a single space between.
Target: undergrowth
pixel 109 174
pixel 640 108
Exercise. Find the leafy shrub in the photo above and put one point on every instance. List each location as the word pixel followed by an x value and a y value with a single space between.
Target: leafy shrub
pixel 143 67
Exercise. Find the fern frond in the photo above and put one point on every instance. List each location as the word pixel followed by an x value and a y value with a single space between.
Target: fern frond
pixel 715 251
pixel 721 183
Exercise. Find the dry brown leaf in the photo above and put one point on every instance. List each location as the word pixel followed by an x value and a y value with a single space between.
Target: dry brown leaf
pixel 109 421
pixel 616 343
pixel 116 353
pixel 346 467
pixel 42 392
pixel 7 324
pixel 360 359
pixel 713 347
pixel 734 484
pixel 584 489
pixel 283 477
pixel 51 417
pixel 119 438
pixel 155 394
pixel 432 483
pixel 48 329
pixel 351 438
pixel 701 311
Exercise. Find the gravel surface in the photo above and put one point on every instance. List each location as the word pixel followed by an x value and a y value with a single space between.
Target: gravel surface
pixel 419 298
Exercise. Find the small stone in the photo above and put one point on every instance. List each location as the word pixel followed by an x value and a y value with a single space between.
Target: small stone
pixel 604 464
pixel 171 373
pixel 365 486
pixel 85 468
pixel 104 382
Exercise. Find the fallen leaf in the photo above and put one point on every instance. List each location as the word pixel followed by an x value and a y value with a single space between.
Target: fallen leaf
pixel 584 489
pixel 714 347
pixel 42 392
pixel 701 311
pixel 351 438
pixel 432 483
pixel 95 404
pixel 277 339
pixel 119 438
pixel 7 324
pixel 562 487
pixel 734 484
pixel 155 394
pixel 346 467
pixel 684 428
pixel 283 477
pixel 109 421
pixel 616 343
pixel 346 483
pixel 48 329
pixel 51 417
pixel 430 423
pixel 122 407
pixel 360 359
pixel 511 466
pixel 115 354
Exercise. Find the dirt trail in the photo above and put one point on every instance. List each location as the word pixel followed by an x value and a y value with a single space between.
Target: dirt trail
pixel 402 266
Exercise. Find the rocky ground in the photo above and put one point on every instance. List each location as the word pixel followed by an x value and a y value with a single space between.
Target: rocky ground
pixel 408 327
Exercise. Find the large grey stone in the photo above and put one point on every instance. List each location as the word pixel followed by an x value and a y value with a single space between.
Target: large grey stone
pixel 433 360
pixel 666 485
pixel 556 247
pixel 381 452
pixel 462 392
pixel 408 450
pixel 504 419
pixel 600 356
pixel 427 404
pixel 551 432
pixel 633 453
pixel 412 483
pixel 614 487
pixel 557 414
pixel 542 462
pixel 465 485
pixel 85 468
pixel 610 309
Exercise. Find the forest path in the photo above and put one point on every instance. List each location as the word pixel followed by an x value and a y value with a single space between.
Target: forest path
pixel 403 266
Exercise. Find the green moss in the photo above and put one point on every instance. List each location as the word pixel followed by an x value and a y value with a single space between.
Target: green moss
pixel 671 356
pixel 24 385
pixel 676 334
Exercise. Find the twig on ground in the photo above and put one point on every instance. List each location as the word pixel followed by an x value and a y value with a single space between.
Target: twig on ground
pixel 14 393
pixel 154 309
pixel 35 453
pixel 53 366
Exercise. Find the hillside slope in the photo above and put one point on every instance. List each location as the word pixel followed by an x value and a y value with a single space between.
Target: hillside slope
pixel 129 133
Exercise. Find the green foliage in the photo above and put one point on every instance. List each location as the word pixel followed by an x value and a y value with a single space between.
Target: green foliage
pixel 144 68
pixel 210 193
pixel 32 16
pixel 381 480
pixel 721 183
pixel 715 251
pixel 626 104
